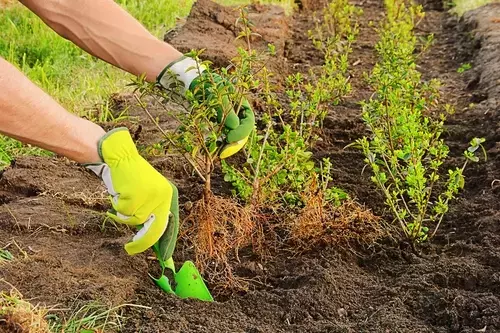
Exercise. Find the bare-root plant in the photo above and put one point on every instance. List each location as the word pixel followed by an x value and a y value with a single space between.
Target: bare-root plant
pixel 218 227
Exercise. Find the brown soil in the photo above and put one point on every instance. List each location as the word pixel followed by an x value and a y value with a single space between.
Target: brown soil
pixel 214 28
pixel 53 210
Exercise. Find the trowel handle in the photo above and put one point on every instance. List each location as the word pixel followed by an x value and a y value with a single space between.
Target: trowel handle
pixel 169 263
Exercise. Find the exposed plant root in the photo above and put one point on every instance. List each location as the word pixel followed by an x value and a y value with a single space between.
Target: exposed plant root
pixel 320 223
pixel 263 240
pixel 219 228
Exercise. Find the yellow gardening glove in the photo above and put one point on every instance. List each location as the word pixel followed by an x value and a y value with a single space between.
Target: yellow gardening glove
pixel 140 195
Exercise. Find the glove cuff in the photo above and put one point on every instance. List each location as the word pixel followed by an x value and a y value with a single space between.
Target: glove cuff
pixel 185 70
pixel 112 146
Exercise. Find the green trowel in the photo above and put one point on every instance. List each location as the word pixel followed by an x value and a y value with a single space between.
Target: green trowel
pixel 188 282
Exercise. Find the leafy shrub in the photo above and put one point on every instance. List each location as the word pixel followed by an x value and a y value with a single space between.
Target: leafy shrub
pixel 406 120
pixel 279 165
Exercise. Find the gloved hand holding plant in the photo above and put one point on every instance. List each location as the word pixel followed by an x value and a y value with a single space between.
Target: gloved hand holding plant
pixel 237 116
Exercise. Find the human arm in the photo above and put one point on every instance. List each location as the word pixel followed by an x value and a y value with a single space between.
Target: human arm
pixel 140 194
pixel 107 31
pixel 31 116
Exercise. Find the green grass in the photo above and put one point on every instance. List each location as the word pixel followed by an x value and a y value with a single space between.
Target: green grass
pixel 5 256
pixel 10 148
pixel 462 6
pixel 90 318
pixel 158 15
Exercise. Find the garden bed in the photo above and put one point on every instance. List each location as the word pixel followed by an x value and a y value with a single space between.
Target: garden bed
pixel 53 210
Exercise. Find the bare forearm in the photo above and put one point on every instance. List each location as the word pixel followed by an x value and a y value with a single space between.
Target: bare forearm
pixel 31 116
pixel 105 30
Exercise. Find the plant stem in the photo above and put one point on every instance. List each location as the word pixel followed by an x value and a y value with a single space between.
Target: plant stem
pixel 198 172
pixel 388 122
pixel 391 203
pixel 397 187
pixel 141 104
pixel 259 160
pixel 446 202
pixel 208 186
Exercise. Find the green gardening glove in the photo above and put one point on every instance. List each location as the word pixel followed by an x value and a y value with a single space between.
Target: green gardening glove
pixel 140 195
pixel 191 75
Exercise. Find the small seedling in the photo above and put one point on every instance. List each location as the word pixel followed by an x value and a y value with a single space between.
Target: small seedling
pixel 464 67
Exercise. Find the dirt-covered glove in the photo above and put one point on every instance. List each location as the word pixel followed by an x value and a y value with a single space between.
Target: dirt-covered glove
pixel 140 195
pixel 190 74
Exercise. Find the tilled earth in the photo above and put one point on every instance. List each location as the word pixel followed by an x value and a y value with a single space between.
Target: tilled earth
pixel 54 210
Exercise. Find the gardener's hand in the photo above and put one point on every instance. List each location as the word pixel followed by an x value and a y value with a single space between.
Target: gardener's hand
pixel 140 195
pixel 190 74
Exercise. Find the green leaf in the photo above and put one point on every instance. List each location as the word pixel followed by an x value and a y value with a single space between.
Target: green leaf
pixel 5 255
pixel 473 149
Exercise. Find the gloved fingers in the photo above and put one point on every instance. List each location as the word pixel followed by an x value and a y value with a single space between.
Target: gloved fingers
pixel 149 234
pixel 103 171
pixel 126 207
pixel 123 212
pixel 232 148
pixel 124 219
pixel 144 228
pixel 156 226
pixel 136 212
pixel 232 121
pixel 247 124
